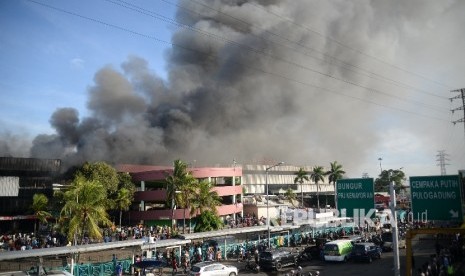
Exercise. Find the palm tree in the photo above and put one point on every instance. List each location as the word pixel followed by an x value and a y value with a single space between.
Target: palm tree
pixel 186 195
pixel 84 209
pixel 334 174
pixel 317 175
pixel 301 176
pixel 174 185
pixel 290 195
pixel 123 201
pixel 205 198
pixel 204 202
pixel 39 205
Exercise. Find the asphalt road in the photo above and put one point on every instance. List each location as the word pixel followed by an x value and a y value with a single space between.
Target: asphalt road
pixel 384 266
pixel 422 249
pixel 381 267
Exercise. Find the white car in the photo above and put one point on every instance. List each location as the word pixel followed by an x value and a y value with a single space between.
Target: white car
pixel 212 269
pixel 26 273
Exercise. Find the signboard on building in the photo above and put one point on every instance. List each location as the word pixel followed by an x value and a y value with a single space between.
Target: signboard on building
pixel 436 198
pixel 355 197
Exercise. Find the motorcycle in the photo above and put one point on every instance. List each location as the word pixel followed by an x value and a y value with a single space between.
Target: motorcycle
pixel 297 272
pixel 252 266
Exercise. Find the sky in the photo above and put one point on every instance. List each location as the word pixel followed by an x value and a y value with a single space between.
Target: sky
pixel 364 83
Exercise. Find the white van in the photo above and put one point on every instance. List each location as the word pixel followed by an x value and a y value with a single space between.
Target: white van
pixel 338 250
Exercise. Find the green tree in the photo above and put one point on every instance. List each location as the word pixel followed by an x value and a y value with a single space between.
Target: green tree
pixel 334 174
pixel 101 172
pixel 300 176
pixel 123 201
pixel 84 210
pixel 205 198
pixel 39 206
pixel 175 184
pixel 386 176
pixel 290 195
pixel 317 175
pixel 208 221
pixel 113 182
pixel 204 203
pixel 125 181
pixel 186 195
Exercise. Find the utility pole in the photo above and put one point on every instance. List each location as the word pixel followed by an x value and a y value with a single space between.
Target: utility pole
pixel 395 235
pixel 460 96
pixel 442 158
pixel 381 168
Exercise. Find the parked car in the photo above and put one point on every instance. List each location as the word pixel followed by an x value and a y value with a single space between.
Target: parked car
pixel 212 269
pixel 277 259
pixel 366 251
pixel 34 273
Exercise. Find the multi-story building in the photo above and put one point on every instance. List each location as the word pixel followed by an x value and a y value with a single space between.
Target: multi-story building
pixel 20 179
pixel 238 186
pixel 242 189
pixel 279 179
pixel 150 198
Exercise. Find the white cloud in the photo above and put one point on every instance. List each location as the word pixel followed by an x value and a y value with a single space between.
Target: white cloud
pixel 77 63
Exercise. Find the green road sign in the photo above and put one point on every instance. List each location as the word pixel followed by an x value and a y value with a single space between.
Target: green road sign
pixel 355 194
pixel 436 198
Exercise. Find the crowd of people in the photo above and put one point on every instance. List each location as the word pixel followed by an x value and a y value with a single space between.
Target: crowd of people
pixel 47 237
pixel 449 254
pixel 246 221
pixel 27 241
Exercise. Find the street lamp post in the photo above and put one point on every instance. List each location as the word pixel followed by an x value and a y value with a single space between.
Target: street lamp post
pixel 381 168
pixel 268 201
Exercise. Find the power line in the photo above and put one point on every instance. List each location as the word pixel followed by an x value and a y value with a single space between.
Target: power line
pixel 242 64
pixel 346 46
pixel 332 58
pixel 462 96
pixel 263 53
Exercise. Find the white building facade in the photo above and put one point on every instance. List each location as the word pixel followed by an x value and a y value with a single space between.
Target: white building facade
pixel 280 178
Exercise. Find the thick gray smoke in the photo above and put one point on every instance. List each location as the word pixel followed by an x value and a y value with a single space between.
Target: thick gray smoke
pixel 248 87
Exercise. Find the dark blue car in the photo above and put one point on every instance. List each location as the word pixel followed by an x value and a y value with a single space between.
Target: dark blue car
pixel 366 251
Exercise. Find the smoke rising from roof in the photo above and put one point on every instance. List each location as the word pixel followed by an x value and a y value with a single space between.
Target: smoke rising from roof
pixel 240 91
